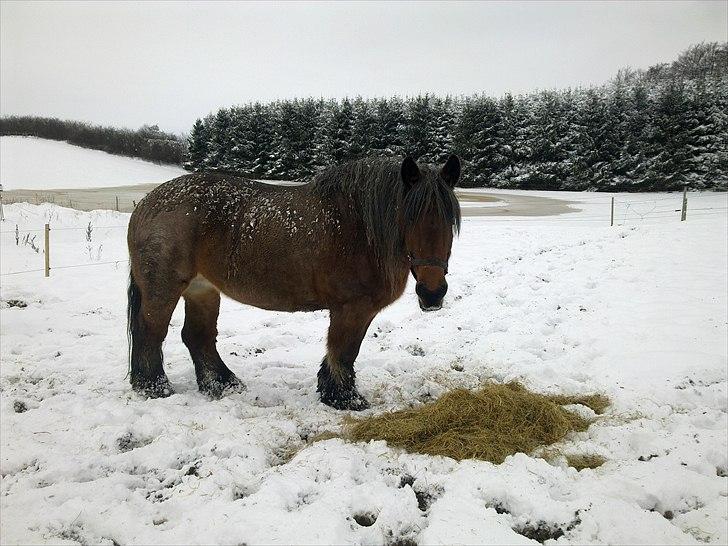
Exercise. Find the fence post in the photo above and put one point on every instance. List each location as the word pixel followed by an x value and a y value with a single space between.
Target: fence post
pixel 47 232
pixel 684 213
pixel 117 203
pixel 611 222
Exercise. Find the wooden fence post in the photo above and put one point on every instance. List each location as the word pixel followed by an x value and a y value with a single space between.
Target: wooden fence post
pixel 684 213
pixel 47 232
pixel 117 203
pixel 611 223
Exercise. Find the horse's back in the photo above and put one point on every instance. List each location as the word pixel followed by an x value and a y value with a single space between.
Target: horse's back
pixel 203 190
pixel 229 229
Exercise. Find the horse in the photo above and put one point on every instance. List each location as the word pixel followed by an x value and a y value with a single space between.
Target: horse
pixel 345 241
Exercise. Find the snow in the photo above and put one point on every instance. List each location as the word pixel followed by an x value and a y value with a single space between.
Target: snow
pixel 563 303
pixel 36 163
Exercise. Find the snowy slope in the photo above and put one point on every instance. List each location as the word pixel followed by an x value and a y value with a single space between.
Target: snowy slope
pixel 563 304
pixel 36 163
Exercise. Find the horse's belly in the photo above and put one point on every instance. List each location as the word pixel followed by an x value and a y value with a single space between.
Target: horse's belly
pixel 273 302
pixel 271 292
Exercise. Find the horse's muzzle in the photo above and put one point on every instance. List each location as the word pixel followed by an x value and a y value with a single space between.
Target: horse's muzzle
pixel 430 300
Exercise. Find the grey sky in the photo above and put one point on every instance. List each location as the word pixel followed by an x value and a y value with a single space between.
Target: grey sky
pixel 126 64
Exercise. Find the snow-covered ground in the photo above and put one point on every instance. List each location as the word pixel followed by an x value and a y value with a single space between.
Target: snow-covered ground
pixel 564 304
pixel 37 163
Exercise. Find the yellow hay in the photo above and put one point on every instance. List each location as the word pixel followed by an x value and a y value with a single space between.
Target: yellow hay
pixel 489 424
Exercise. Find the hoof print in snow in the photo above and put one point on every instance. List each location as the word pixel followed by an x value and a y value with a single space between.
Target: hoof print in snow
pixel 406 479
pixel 402 541
pixel 644 459
pixel 415 350
pixel 19 406
pixel 365 519
pixel 241 493
pixel 424 499
pixel 73 533
pixel 192 470
pixel 499 508
pixel 667 514
pixel 20 304
pixel 127 442
pixel 542 531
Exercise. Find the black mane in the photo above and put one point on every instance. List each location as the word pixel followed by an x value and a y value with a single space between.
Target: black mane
pixel 375 187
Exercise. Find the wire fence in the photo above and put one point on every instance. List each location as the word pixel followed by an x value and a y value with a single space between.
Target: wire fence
pixel 22 235
pixel 85 200
pixel 617 211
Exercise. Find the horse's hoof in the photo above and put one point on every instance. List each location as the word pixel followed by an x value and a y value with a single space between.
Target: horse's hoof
pixel 217 387
pixel 157 388
pixel 351 401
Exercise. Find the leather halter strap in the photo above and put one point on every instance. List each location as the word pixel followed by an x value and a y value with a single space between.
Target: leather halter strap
pixel 434 262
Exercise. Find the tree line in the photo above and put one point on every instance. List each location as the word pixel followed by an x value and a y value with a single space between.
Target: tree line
pixel 653 129
pixel 148 142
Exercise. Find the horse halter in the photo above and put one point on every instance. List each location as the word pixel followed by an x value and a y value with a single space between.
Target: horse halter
pixel 434 262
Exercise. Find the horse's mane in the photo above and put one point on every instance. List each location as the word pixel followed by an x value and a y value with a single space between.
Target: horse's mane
pixel 376 191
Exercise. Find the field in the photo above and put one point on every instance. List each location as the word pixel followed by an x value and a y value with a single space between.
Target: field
pixel 63 165
pixel 564 304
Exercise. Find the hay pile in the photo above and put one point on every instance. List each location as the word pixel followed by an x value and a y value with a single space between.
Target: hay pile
pixel 489 424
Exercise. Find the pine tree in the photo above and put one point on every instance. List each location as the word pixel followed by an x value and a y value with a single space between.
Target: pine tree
pixel 667 152
pixel 547 170
pixel 633 152
pixel 390 121
pixel 239 157
pixel 417 135
pixel 261 140
pixel 338 139
pixel 363 127
pixel 463 138
pixel 706 135
pixel 219 140
pixel 488 160
pixel 443 119
pixel 196 146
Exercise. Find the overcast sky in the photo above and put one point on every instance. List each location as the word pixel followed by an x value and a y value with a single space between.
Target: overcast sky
pixel 126 64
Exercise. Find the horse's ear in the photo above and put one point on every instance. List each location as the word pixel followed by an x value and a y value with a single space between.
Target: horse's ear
pixel 410 172
pixel 450 172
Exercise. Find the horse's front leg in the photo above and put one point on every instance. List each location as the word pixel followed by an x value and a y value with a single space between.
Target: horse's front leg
pixel 336 378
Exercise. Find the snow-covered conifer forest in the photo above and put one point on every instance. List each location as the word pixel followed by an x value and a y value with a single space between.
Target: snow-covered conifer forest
pixel 646 130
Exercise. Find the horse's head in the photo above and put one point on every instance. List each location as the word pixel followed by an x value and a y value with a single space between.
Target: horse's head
pixel 432 216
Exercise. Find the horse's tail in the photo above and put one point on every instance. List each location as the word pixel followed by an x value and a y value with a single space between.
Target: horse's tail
pixel 134 303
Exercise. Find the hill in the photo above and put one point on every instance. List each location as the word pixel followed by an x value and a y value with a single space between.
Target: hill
pixel 36 163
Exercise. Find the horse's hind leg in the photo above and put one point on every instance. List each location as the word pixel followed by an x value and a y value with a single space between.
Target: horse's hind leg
pixel 150 310
pixel 199 334
pixel 336 377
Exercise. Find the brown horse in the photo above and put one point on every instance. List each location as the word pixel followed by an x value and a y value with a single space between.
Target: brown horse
pixel 346 241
